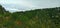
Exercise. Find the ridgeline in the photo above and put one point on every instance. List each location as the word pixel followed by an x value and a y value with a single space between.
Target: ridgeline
pixel 38 18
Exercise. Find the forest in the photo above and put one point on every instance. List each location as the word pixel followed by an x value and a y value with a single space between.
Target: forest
pixel 38 18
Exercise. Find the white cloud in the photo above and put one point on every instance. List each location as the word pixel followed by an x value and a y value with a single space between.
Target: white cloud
pixel 18 2
pixel 15 5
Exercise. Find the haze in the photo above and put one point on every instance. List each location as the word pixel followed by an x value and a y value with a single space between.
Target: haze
pixel 24 5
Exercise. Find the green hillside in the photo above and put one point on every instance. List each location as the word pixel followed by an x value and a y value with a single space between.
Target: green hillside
pixel 39 18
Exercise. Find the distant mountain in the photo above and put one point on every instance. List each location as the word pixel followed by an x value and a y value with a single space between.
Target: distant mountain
pixel 38 18
pixel 2 9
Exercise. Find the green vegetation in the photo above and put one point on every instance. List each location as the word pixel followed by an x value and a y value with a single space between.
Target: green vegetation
pixel 39 18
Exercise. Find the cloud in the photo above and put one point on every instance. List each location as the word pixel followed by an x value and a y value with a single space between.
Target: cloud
pixel 18 2
pixel 15 5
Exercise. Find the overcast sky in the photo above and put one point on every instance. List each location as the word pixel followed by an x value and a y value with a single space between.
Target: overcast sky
pixel 23 5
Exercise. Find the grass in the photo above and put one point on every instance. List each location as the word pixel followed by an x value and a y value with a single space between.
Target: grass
pixel 39 18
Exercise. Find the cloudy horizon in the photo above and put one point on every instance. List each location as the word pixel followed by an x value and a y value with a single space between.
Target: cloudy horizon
pixel 23 5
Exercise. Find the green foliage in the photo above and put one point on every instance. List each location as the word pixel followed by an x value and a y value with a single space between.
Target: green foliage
pixel 39 18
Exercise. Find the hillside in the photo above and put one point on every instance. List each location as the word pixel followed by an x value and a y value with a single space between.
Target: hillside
pixel 39 18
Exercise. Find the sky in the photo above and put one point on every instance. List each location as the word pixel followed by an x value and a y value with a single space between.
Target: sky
pixel 24 5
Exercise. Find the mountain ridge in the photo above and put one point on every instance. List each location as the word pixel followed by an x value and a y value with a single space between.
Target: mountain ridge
pixel 38 18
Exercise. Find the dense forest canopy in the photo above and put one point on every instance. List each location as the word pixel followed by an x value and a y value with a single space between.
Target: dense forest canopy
pixel 39 18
